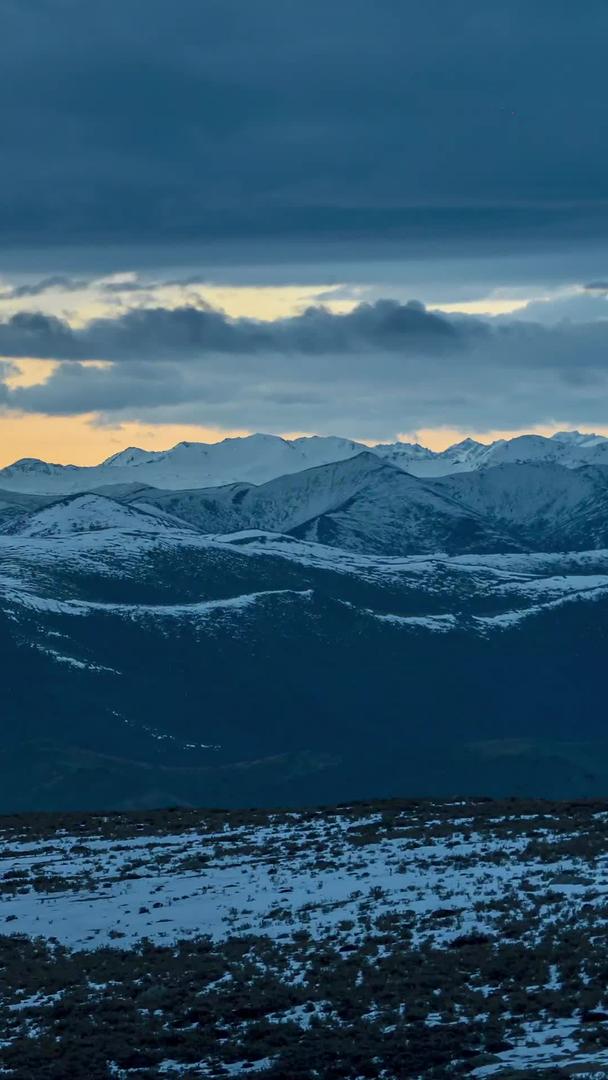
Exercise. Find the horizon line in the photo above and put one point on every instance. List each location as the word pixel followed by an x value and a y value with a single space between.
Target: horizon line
pixel 290 438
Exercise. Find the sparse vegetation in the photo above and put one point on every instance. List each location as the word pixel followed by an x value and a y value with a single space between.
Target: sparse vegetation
pixel 439 974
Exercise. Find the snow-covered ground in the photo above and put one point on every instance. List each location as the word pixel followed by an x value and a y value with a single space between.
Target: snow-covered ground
pixel 37 573
pixel 277 879
pixel 544 1044
pixel 494 915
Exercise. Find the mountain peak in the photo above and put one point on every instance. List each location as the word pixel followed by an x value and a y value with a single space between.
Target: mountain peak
pixel 32 465
pixel 131 455
pixel 464 444
pixel 579 438
pixel 258 458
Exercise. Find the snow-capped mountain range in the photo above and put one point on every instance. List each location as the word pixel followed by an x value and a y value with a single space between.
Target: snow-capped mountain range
pixel 343 629
pixel 363 503
pixel 258 458
pixel 529 493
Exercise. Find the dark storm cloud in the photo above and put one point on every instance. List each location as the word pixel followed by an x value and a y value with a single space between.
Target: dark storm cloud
pixel 381 369
pixel 451 122
pixel 447 146
pixel 194 332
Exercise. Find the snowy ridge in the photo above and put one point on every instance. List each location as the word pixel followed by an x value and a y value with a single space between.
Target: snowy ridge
pixel 367 501
pixel 202 609
pixel 254 459
pixel 362 503
pixel 519 585
pixel 259 458
pixel 86 513
pixel 527 494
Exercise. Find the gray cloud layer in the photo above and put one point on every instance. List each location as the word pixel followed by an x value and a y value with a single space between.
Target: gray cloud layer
pixel 383 368
pixel 444 121
pixel 192 332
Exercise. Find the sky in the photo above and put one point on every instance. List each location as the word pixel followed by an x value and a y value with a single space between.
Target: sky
pixel 374 218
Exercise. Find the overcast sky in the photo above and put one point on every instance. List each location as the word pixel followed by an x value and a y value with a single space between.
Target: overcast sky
pixel 370 218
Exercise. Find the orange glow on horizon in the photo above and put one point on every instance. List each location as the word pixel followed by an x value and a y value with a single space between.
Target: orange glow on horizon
pixel 441 437
pixel 84 440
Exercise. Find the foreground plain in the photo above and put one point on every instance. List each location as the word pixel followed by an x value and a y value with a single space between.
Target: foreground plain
pixel 394 939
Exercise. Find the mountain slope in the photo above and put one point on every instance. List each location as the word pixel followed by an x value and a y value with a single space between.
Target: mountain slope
pixel 394 513
pixel 278 505
pixel 362 504
pixel 84 513
pixel 145 668
pixel 15 505
pixel 548 505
